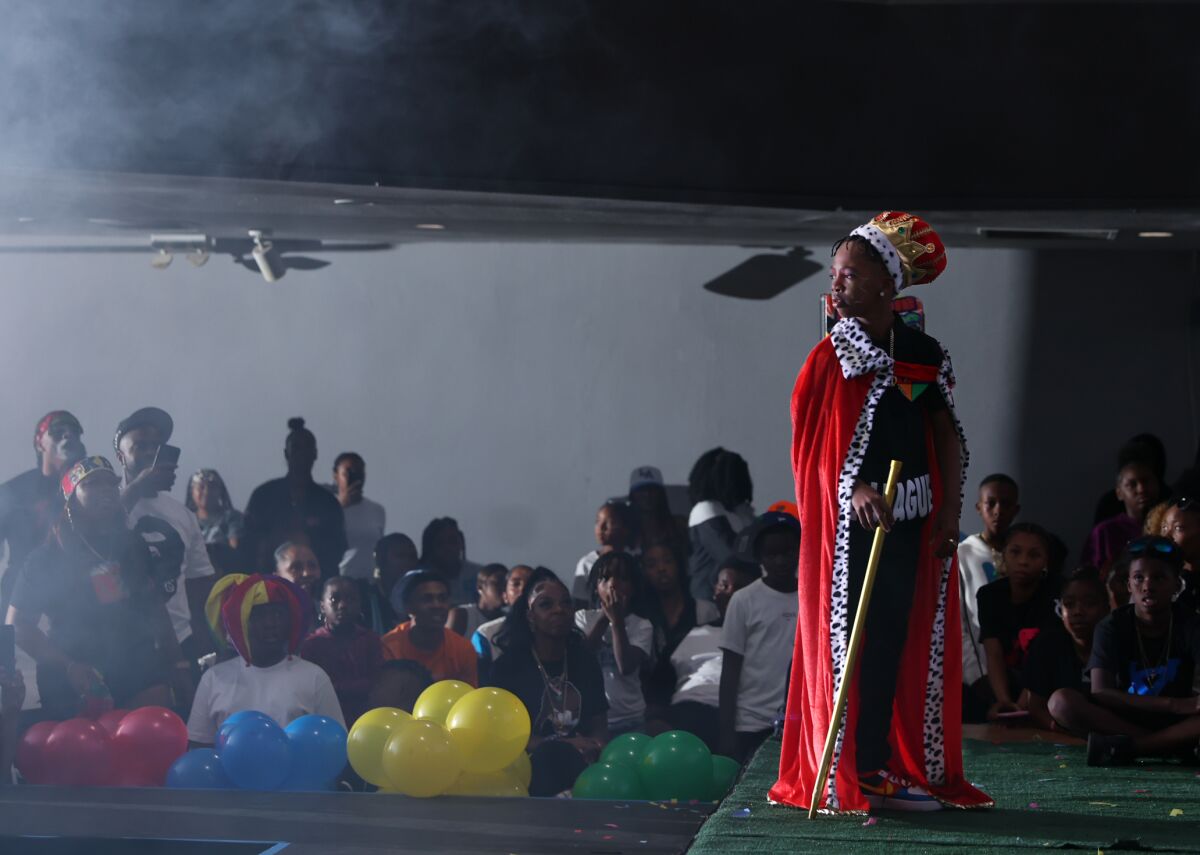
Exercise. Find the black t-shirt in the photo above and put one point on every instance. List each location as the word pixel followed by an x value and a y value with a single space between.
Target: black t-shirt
pixel 658 682
pixel 550 710
pixel 29 505
pixel 1052 664
pixel 1146 668
pixel 1014 625
pixel 272 519
pixel 100 610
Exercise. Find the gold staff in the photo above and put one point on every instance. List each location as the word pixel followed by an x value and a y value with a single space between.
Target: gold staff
pixel 860 622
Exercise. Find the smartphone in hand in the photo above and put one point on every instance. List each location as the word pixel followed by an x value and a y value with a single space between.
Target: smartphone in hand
pixel 167 456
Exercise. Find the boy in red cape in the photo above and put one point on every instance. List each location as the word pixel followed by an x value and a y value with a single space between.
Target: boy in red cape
pixel 875 390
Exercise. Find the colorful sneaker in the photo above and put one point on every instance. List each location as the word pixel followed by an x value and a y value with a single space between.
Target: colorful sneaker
pixel 885 791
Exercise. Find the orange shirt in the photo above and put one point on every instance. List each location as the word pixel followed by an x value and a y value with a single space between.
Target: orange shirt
pixel 454 659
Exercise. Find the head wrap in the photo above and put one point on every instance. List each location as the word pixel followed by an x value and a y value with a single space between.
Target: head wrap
pixel 258 590
pixel 49 419
pixel 212 606
pixel 81 471
pixel 911 249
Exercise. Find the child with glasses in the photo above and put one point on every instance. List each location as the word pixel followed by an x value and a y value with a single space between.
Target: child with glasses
pixel 1143 662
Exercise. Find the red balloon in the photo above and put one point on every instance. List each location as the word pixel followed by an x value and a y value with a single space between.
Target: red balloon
pixel 31 752
pixel 79 753
pixel 111 720
pixel 147 742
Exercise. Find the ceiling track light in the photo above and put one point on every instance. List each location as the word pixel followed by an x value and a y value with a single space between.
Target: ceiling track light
pixel 161 260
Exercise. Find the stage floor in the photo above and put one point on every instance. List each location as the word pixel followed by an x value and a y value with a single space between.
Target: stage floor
pixel 1046 798
pixel 332 823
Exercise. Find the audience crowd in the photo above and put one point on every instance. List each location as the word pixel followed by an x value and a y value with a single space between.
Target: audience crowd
pixel 120 595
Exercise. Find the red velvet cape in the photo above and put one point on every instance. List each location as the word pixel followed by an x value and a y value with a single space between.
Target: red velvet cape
pixel 833 406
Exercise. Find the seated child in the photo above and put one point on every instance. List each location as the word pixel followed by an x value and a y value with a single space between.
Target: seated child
pixel 481 639
pixel 1143 663
pixel 615 532
pixel 348 652
pixel 696 661
pixel 1013 609
pixel 978 558
pixel 1138 489
pixel 621 640
pixel 424 637
pixel 268 677
pixel 1057 662
pixel 1181 525
pixel 398 683
pixel 758 637
pixel 489 583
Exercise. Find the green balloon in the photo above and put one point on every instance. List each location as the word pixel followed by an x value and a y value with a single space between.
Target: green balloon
pixel 677 765
pixel 627 749
pixel 607 781
pixel 725 772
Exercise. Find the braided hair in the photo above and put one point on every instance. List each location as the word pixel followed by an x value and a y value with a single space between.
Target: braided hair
pixel 720 476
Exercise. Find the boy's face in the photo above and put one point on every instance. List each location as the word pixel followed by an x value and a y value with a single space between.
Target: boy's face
pixel 1152 584
pixel 997 508
pixel 1083 606
pixel 860 286
pixel 340 606
pixel 610 531
pixel 268 629
pixel 299 564
pixel 618 583
pixel 1183 527
pixel 491 592
pixel 779 553
pixel 1024 558
pixel 1137 488
pixel 662 571
pixel 728 581
pixel 515 586
pixel 428 604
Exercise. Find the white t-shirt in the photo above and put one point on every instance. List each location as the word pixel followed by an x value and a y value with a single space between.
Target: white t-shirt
pixel 760 624
pixel 697 664
pixel 365 524
pixel 977 564
pixel 285 691
pixel 196 564
pixel 626 704
pixel 579 587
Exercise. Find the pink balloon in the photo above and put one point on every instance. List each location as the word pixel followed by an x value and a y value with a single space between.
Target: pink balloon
pixel 111 720
pixel 79 753
pixel 147 742
pixel 31 752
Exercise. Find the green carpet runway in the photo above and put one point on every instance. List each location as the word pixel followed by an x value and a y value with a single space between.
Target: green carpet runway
pixel 1046 798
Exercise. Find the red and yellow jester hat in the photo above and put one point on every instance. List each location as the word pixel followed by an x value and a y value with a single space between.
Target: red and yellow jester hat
pixel 216 599
pixel 254 591
pixel 911 249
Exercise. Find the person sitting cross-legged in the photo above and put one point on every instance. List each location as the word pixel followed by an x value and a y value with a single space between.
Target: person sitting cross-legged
pixel 264 620
pixel 1143 662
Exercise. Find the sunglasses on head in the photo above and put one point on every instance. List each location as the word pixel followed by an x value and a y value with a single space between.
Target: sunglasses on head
pixel 1184 503
pixel 1162 547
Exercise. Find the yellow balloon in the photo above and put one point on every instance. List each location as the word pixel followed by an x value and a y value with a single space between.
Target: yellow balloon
pixel 500 784
pixel 436 701
pixel 521 770
pixel 368 736
pixel 490 727
pixel 420 759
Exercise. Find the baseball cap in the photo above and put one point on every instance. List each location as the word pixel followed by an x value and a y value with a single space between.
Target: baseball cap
pixel 645 476
pixel 146 417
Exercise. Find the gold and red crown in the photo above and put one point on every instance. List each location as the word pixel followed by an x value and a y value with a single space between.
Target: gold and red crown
pixel 922 253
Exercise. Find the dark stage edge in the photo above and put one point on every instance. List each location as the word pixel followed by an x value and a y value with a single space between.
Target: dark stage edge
pixel 352 823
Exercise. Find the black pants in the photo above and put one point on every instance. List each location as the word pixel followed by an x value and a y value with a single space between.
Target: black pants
pixel 886 632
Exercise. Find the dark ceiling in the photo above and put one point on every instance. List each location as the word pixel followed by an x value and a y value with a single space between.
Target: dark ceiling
pixel 600 117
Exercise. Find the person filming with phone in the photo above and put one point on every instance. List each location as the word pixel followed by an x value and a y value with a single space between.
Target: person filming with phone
pixel 150 464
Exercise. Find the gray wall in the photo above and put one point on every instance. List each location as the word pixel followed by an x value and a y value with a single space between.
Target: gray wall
pixel 515 386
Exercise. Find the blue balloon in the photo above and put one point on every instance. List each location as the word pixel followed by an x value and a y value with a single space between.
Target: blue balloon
pixel 199 769
pixel 230 723
pixel 256 755
pixel 318 748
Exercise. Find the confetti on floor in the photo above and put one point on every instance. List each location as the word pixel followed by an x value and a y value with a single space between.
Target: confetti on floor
pixel 1176 812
